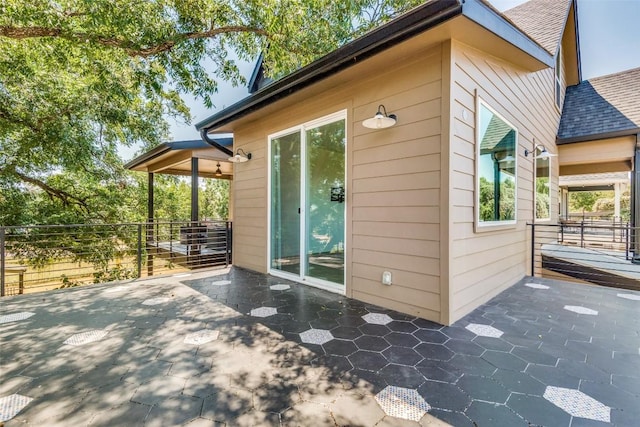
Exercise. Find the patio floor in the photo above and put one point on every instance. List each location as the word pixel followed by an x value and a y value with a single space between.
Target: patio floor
pixel 233 347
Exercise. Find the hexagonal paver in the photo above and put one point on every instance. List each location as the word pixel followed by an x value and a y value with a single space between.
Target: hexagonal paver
pixel 464 347
pixel 578 404
pixel 429 335
pixel 632 297
pixel 402 376
pixel 368 413
pixel 155 301
pixel 279 287
pixel 340 347
pixel 201 337
pixel 377 318
pixel 482 388
pixel 316 336
pixel 11 405
pixel 226 405
pixel 346 332
pixel 444 396
pixel 402 355
pixel 85 337
pixel 484 330
pixel 368 342
pixel 536 286
pixel 23 315
pixel 401 339
pixel 434 351
pixel 367 360
pixel 581 310
pixel 264 311
pixel 402 403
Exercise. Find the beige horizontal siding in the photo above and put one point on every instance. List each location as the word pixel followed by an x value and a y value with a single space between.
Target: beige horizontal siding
pixel 483 262
pixel 393 182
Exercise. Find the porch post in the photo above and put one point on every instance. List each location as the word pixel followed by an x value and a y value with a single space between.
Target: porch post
pixel 149 231
pixel 635 204
pixel 194 189
pixel 617 189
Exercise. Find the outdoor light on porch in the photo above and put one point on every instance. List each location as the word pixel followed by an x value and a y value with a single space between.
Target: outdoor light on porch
pixel 544 154
pixel 381 120
pixel 240 156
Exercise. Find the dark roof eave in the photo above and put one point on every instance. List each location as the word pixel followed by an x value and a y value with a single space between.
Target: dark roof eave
pixel 149 155
pixel 402 28
pixel 486 17
pixel 165 147
pixel 406 26
pixel 595 137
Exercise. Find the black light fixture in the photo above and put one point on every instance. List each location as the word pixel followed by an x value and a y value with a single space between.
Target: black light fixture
pixel 218 171
pixel 240 156
pixel 544 154
pixel 381 120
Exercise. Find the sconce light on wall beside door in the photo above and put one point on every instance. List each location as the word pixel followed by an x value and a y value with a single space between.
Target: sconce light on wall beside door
pixel 240 156
pixel 544 154
pixel 381 120
pixel 218 171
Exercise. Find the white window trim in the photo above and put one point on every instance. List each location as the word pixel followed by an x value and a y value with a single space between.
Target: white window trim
pixel 481 226
pixel 557 79
pixel 535 191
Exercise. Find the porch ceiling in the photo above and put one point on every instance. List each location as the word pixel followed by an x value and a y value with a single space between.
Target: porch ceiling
pixel 175 159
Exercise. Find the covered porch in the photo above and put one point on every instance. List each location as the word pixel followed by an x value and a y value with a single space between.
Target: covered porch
pixel 200 243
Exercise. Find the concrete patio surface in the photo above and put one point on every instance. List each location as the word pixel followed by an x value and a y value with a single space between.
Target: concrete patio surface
pixel 233 347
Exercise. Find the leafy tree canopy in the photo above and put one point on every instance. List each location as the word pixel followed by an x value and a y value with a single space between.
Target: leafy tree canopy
pixel 80 77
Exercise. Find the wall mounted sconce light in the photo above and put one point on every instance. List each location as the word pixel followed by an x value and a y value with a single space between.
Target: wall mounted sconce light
pixel 380 120
pixel 218 171
pixel 544 154
pixel 240 156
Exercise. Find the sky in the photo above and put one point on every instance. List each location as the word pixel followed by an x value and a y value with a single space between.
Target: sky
pixel 609 43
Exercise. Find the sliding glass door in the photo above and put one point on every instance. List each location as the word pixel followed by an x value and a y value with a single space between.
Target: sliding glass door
pixel 308 203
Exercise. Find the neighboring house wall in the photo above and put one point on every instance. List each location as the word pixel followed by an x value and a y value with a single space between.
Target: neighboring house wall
pixel 393 180
pixel 483 263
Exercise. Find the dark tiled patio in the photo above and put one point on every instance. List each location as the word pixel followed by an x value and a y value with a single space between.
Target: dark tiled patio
pixel 239 348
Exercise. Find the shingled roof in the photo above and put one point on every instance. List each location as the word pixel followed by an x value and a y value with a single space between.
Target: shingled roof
pixel 605 106
pixel 542 20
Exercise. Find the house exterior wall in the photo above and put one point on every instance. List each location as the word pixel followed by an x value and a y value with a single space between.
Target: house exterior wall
pixel 393 180
pixel 484 261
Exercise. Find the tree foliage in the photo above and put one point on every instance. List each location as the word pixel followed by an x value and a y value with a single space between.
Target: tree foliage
pixel 78 78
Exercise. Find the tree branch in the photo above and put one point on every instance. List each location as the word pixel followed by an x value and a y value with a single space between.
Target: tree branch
pixel 129 47
pixel 66 198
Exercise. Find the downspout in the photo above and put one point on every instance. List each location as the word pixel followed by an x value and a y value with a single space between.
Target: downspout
pixel 205 137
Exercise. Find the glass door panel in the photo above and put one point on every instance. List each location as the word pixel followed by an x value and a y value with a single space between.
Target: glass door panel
pixel 324 202
pixel 285 203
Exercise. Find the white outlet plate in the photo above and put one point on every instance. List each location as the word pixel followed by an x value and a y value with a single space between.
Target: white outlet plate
pixel 386 278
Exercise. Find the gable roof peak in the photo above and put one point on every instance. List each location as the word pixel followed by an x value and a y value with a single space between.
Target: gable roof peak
pixel 542 20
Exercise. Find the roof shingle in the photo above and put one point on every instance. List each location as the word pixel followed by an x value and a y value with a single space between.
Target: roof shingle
pixel 602 105
pixel 542 20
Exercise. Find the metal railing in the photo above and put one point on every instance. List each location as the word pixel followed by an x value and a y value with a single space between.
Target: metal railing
pixel 603 253
pixel 39 258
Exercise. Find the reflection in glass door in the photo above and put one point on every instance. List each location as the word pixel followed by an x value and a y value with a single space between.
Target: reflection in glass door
pixel 285 203
pixel 324 202
pixel 308 203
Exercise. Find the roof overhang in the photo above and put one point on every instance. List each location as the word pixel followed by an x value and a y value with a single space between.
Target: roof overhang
pixel 472 22
pixel 599 136
pixel 174 158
